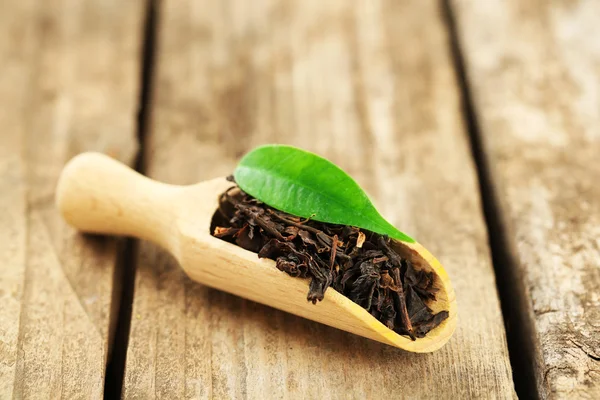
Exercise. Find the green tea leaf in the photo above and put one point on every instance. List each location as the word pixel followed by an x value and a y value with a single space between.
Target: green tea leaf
pixel 301 183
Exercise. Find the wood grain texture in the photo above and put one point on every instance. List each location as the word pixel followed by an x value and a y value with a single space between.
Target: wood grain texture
pixel 68 82
pixel 534 70
pixel 369 85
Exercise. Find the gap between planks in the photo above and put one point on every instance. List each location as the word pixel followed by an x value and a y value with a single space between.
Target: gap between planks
pixel 513 300
pixel 125 269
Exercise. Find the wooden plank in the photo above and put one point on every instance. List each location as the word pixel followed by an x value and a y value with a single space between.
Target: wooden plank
pixel 533 68
pixel 368 84
pixel 69 82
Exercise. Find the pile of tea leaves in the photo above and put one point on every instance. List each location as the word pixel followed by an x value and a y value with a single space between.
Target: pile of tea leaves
pixel 357 263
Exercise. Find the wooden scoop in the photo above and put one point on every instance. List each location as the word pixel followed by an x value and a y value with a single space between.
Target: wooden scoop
pixel 97 194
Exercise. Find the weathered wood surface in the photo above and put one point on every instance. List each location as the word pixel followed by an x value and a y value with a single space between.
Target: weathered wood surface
pixel 368 84
pixel 68 83
pixel 534 69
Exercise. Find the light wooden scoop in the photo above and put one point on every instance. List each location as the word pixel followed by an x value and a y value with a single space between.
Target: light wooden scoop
pixel 97 194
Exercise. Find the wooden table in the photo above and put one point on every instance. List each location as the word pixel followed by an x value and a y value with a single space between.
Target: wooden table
pixel 480 118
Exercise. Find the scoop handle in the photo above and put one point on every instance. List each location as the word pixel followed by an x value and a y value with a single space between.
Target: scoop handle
pixel 98 194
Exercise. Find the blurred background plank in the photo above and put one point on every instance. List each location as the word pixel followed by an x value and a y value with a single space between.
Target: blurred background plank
pixel 369 85
pixel 534 71
pixel 69 83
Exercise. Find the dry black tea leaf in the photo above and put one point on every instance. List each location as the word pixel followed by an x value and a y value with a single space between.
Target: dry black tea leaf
pixel 359 264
